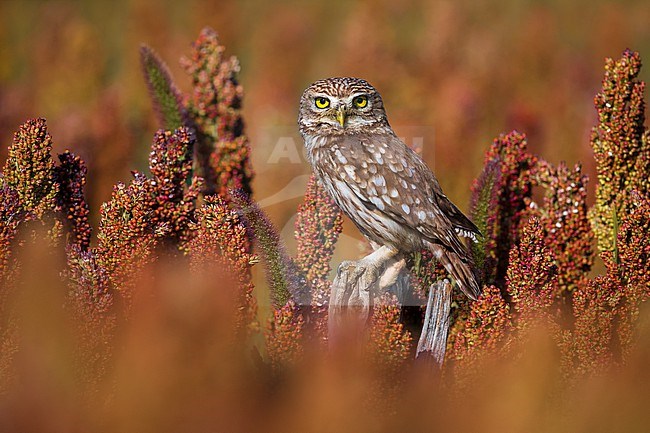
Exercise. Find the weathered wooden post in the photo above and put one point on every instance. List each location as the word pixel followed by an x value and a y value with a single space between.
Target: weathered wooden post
pixel 358 284
pixel 433 339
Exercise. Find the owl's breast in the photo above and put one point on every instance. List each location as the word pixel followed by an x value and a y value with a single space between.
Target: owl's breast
pixel 346 181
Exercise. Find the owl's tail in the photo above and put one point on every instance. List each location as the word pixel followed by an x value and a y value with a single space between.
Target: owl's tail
pixel 461 269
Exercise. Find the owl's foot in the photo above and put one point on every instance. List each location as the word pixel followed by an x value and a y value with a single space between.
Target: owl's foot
pixel 376 272
pixel 358 283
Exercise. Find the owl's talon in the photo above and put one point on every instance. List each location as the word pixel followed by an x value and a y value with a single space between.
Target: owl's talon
pixel 356 270
pixel 369 272
pixel 345 267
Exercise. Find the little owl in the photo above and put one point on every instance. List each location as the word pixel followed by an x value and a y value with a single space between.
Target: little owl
pixel 382 185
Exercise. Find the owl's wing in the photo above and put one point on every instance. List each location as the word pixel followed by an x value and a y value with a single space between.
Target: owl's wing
pixel 392 179
pixel 463 225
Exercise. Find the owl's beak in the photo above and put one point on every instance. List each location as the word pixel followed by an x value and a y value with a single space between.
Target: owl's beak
pixel 340 115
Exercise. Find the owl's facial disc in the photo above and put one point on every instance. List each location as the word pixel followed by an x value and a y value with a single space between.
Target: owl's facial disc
pixel 347 112
pixel 341 105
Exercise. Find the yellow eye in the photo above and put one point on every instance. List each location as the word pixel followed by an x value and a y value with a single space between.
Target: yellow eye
pixel 360 101
pixel 322 102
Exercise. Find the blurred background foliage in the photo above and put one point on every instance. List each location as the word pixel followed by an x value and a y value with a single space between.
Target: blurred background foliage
pixel 461 71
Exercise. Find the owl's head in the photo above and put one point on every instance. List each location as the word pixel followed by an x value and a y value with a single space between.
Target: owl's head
pixel 341 105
